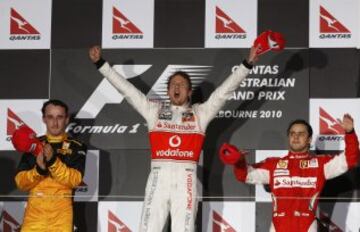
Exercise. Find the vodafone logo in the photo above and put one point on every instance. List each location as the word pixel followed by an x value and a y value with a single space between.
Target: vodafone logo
pixel 123 28
pixel 329 125
pixel 226 27
pixel 9 224
pixel 220 225
pixel 330 27
pixel 115 224
pixel 175 141
pixel 20 28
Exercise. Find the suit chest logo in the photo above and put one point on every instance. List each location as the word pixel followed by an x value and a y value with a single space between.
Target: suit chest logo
pixel 65 149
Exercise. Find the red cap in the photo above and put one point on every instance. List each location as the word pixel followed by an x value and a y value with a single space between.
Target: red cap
pixel 24 140
pixel 269 40
pixel 229 154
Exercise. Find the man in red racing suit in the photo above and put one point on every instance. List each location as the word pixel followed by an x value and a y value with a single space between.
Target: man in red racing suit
pixel 296 180
pixel 176 134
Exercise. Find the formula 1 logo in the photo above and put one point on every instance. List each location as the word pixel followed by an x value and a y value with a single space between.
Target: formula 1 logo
pixel 19 25
pixel 122 25
pixel 105 93
pixel 9 224
pixel 220 225
pixel 329 125
pixel 115 224
pixel 225 24
pixel 329 24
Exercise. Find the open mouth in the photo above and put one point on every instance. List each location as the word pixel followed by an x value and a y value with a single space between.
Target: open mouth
pixel 176 95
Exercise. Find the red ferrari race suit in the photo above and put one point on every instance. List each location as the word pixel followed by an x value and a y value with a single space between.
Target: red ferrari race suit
pixel 296 181
pixel 176 137
pixel 49 207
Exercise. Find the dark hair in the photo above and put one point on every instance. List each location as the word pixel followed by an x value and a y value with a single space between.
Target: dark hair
pixel 54 102
pixel 303 122
pixel 183 74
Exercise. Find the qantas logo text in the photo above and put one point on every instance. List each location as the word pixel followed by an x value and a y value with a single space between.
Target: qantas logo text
pixel 21 29
pixel 115 224
pixel 226 27
pixel 123 28
pixel 220 225
pixel 331 28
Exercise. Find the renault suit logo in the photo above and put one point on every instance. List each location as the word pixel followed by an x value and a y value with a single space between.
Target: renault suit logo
pixel 175 141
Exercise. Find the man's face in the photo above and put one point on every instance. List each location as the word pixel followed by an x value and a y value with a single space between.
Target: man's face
pixel 179 91
pixel 55 119
pixel 299 140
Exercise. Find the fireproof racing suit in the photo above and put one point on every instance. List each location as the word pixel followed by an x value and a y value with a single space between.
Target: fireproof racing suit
pixel 49 206
pixel 296 181
pixel 176 137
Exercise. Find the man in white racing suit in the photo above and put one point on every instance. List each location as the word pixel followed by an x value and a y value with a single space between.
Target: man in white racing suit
pixel 176 134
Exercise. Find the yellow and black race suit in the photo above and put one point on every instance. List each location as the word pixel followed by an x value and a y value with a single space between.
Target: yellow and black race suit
pixel 49 206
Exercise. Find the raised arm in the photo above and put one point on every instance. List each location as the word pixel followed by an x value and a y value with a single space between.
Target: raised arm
pixel 339 164
pixel 218 98
pixel 134 96
pixel 258 173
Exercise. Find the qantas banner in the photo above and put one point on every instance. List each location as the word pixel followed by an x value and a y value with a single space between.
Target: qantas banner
pixel 228 216
pixel 128 24
pixel 25 24
pixel 119 216
pixel 255 116
pixel 14 113
pixel 230 24
pixel 324 115
pixel 334 23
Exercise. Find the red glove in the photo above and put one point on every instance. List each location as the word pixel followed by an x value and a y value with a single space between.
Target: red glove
pixel 229 154
pixel 269 40
pixel 24 140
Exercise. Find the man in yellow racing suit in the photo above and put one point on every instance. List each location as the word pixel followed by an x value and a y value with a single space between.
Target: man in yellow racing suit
pixel 51 176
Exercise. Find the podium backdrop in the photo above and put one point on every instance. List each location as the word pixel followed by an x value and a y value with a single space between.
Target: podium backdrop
pixel 44 54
